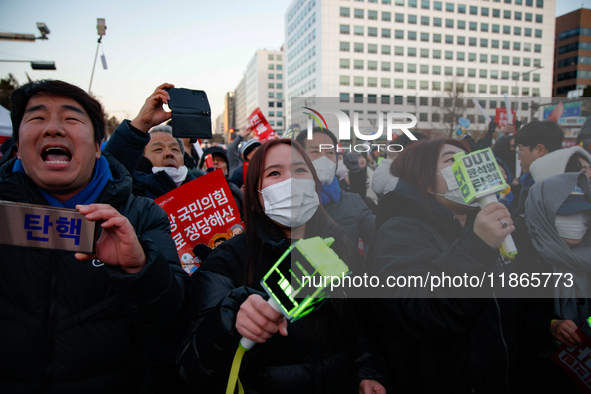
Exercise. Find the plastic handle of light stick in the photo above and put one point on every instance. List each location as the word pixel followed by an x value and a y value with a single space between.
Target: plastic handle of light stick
pixel 508 106
pixel 508 248
pixel 249 344
pixel 477 105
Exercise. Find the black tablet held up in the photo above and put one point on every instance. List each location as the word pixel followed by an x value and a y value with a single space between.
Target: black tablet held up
pixel 191 113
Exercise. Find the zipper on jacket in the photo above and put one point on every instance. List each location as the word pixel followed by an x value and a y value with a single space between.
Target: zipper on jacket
pixel 504 343
pixel 48 380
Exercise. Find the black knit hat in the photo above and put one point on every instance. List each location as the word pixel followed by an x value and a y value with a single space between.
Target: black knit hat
pixel 248 147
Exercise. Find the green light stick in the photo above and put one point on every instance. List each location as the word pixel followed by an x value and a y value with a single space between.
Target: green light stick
pixel 480 179
pixel 305 260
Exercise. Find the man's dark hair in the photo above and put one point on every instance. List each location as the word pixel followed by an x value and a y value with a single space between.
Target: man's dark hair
pixel 302 138
pixel 537 132
pixel 21 96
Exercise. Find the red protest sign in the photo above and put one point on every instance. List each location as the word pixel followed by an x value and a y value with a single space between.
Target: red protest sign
pixel 263 131
pixel 200 212
pixel 244 169
pixel 576 361
pixel 501 117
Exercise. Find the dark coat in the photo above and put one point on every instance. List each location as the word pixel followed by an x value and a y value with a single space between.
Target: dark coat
pixel 437 344
pixel 302 362
pixel 351 213
pixel 127 145
pixel 72 326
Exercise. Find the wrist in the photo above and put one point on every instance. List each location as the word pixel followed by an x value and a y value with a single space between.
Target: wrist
pixel 142 126
pixel 137 267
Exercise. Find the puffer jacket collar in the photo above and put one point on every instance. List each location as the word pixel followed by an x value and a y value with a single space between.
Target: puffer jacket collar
pixel 405 201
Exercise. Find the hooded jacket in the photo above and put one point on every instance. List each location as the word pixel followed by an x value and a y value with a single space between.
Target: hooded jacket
pixel 554 163
pixel 544 200
pixel 437 344
pixel 302 362
pixel 383 182
pixel 72 326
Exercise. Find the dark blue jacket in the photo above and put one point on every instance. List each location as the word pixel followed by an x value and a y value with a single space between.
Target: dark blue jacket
pixel 72 326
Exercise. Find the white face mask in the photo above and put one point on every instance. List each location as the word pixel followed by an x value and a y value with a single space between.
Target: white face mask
pixel 325 168
pixel 453 192
pixel 572 226
pixel 178 175
pixel 291 202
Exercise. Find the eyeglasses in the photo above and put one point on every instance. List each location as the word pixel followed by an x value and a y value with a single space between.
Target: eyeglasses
pixel 520 150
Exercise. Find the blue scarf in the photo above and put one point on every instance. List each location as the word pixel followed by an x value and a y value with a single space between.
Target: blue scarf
pixel 527 180
pixel 330 192
pixel 88 195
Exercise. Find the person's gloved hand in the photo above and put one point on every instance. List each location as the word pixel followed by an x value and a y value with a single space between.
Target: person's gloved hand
pixel 351 161
pixel 492 126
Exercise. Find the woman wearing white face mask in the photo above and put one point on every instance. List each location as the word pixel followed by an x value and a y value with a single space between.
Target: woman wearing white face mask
pixel 422 228
pixel 318 354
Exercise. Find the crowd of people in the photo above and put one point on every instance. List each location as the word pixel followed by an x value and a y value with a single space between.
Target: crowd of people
pixel 129 319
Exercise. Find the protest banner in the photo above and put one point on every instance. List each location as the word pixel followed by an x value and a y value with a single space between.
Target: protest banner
pixel 263 131
pixel 40 226
pixel 200 212
pixel 576 360
pixel 501 117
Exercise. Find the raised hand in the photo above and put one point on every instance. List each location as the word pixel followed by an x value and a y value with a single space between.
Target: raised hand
pixel 489 224
pixel 152 112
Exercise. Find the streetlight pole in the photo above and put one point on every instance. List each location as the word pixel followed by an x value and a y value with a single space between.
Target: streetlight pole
pixel 101 29
pixel 43 29
pixel 35 64
pixel 516 78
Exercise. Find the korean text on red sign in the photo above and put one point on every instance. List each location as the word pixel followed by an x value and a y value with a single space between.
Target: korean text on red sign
pixel 198 210
pixel 260 126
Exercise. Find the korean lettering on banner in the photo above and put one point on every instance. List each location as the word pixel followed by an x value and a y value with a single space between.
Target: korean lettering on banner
pixel 38 228
pixel 481 169
pixel 199 212
pixel 258 123
pixel 576 361
pixel 501 117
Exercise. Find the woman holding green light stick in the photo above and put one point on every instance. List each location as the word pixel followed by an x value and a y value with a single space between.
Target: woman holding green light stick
pixel 321 353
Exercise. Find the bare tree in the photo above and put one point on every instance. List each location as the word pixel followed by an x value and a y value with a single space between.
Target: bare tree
pixel 7 86
pixel 453 104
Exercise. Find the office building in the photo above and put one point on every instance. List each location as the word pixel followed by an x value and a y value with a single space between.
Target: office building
pixel 262 87
pixel 572 61
pixel 412 52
